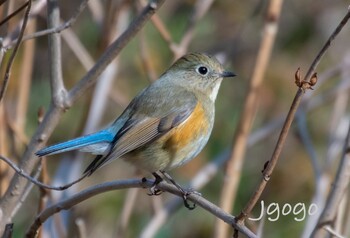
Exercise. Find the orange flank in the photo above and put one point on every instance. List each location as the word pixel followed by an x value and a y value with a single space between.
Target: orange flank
pixel 190 130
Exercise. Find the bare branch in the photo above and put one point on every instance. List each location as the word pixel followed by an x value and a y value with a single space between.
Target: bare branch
pixel 201 7
pixel 234 166
pixel 283 135
pixel 338 189
pixel 25 85
pixel 35 181
pixel 145 58
pixel 317 60
pixel 14 13
pixel 203 177
pixel 205 174
pixel 54 29
pixel 14 52
pixel 78 49
pixel 113 50
pixel 132 183
pixel 97 11
pixel 25 194
pixel 17 185
pixel 333 232
pixel 307 143
pixel 58 91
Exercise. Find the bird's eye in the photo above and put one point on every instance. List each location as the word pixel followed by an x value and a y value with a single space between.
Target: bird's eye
pixel 202 70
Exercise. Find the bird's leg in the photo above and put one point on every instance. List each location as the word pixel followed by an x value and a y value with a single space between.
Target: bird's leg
pixel 154 190
pixel 183 191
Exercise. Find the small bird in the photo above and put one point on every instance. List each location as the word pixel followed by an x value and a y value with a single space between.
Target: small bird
pixel 166 125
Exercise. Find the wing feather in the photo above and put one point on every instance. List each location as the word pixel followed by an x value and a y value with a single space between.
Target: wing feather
pixel 149 122
pixel 138 133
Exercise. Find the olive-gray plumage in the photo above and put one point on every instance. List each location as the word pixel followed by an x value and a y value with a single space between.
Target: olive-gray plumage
pixel 165 125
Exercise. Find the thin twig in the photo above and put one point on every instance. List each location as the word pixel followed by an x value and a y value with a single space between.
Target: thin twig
pixel 283 135
pixel 338 112
pixel 14 52
pixel 26 191
pixel 132 183
pixel 163 31
pixel 97 11
pixel 97 107
pixel 36 9
pixel 234 166
pixel 145 58
pixel 202 178
pixel 78 48
pixel 307 143
pixel 58 90
pixel 44 178
pixel 35 181
pixel 199 10
pixel 14 13
pixel 210 170
pixel 56 29
pixel 337 134
pixel 333 232
pixel 341 213
pixel 320 179
pixel 317 60
pixel 338 189
pixel 24 87
pixel 113 50
pixel 21 137
pixel 51 119
pixel 109 75
pixel 272 162
pixel 159 25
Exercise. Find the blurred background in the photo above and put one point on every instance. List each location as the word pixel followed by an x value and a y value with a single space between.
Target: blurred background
pixel 230 30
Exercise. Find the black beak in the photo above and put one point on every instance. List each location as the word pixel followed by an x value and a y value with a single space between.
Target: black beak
pixel 227 74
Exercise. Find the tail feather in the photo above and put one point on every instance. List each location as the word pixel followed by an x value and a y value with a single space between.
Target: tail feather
pixel 77 143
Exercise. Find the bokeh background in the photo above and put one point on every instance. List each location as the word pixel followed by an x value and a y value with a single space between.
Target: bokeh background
pixel 230 30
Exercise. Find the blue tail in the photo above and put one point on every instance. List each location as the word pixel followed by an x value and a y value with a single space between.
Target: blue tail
pixel 103 136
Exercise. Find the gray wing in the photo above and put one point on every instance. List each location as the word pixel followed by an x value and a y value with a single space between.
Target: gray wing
pixel 150 122
pixel 141 132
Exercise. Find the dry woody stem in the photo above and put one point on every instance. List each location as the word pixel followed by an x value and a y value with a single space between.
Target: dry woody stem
pixel 132 183
pixel 17 186
pixel 283 135
pixel 238 150
pixel 14 52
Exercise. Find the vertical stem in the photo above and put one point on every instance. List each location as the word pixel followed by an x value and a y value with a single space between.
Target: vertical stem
pixel 26 79
pixel 235 163
pixel 338 190
pixel 12 197
pixel 14 53
pixel 3 150
pixel 55 59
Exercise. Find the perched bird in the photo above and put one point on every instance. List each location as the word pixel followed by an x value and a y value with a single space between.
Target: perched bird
pixel 166 125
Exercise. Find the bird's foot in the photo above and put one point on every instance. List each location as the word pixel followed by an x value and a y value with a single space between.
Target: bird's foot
pixel 185 193
pixel 154 191
pixel 186 203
